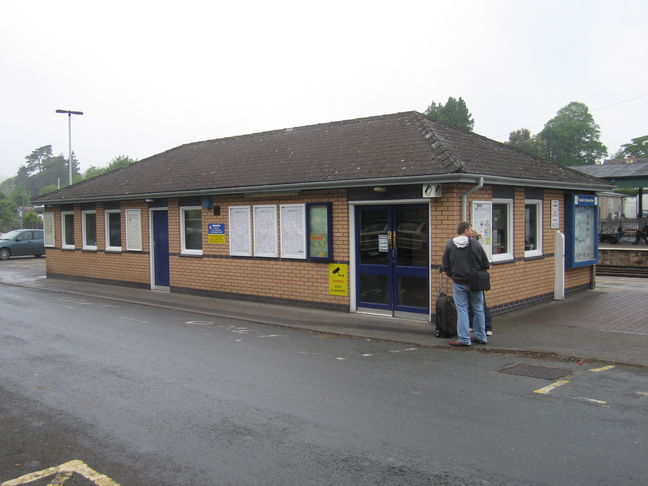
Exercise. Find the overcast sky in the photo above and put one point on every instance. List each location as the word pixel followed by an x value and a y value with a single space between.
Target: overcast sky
pixel 152 75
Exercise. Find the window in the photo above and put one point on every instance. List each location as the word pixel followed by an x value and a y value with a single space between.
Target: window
pixel 265 231
pixel 502 229
pixel 532 228
pixel 48 227
pixel 191 230
pixel 67 230
pixel 89 229
pixel 113 229
pixel 134 229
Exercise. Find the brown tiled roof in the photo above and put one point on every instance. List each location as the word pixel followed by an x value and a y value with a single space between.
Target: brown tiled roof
pixel 399 148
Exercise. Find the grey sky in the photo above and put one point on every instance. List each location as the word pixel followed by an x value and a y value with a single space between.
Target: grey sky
pixel 152 75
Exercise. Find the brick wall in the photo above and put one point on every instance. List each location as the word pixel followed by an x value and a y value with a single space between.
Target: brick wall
pixel 216 271
pixel 514 283
pixel 131 267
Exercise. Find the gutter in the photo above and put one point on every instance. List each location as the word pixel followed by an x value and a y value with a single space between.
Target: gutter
pixel 344 184
pixel 464 198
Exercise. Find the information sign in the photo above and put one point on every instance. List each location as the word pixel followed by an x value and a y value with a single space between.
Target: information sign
pixel 216 233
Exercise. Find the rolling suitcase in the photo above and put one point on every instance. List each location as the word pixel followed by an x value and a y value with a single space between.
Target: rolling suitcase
pixel 445 321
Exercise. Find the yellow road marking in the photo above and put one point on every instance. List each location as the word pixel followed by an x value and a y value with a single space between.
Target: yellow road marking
pixel 60 479
pixel 63 473
pixel 604 368
pixel 545 390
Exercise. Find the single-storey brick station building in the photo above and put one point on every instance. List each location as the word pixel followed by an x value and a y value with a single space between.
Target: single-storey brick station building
pixel 351 215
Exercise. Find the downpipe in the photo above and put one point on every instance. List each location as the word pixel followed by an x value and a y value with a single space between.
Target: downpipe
pixel 464 198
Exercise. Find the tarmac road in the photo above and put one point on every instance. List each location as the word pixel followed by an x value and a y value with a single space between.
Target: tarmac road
pixel 152 396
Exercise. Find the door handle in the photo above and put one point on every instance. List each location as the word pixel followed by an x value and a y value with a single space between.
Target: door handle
pixel 392 240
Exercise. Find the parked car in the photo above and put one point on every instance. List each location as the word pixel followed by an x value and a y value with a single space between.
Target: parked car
pixel 22 242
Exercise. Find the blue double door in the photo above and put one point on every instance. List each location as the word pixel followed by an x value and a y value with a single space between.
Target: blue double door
pixel 392 260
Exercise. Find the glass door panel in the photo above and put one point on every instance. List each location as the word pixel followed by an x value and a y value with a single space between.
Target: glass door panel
pixel 393 258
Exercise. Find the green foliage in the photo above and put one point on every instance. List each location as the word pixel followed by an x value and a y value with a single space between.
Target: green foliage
pixel 31 220
pixel 116 163
pixel 454 112
pixel 42 173
pixel 572 137
pixel 638 148
pixel 8 216
pixel 523 140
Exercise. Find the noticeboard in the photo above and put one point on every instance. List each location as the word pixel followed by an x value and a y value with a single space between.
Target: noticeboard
pixel 581 230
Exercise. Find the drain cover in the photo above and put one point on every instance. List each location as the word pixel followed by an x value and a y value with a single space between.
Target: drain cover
pixel 542 372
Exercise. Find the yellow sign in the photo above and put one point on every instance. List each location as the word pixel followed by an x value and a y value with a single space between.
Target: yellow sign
pixel 338 279
pixel 217 239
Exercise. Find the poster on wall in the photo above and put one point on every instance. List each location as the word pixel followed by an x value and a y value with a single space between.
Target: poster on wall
pixel 293 231
pixel 48 229
pixel 265 231
pixel 240 231
pixel 555 214
pixel 482 223
pixel 133 229
pixel 584 234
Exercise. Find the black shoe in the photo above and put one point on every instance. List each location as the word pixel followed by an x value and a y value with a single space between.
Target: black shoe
pixel 475 340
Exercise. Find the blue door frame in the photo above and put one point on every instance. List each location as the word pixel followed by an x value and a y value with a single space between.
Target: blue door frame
pixel 160 248
pixel 392 258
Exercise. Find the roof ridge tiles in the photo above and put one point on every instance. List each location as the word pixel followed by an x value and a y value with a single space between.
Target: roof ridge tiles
pixel 453 165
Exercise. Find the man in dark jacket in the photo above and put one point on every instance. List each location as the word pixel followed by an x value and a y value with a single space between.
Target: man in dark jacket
pixel 462 257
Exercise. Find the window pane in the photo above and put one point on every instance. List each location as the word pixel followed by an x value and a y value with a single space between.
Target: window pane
pixel 193 228
pixel 91 229
pixel 374 226
pixel 69 229
pixel 114 229
pixel 531 227
pixel 500 229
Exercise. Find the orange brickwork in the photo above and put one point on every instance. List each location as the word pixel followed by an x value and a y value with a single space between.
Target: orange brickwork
pixel 523 280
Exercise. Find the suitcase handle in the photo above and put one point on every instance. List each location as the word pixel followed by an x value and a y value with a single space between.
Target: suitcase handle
pixel 447 280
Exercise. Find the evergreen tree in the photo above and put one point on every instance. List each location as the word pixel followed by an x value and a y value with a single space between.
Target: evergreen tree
pixel 454 112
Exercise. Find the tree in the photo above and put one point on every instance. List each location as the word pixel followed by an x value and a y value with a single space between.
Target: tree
pixel 454 112
pixel 8 215
pixel 638 148
pixel 523 140
pixel 572 137
pixel 116 163
pixel 37 158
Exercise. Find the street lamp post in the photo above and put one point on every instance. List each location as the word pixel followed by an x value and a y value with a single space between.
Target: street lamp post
pixel 69 114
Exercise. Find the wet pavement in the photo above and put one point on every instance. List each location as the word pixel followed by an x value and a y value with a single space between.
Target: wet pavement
pixel 608 324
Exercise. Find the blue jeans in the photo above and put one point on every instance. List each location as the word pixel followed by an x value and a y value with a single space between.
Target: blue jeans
pixel 464 297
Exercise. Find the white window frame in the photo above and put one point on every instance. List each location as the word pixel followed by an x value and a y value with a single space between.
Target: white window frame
pixel 107 214
pixel 539 222
pixel 265 219
pixel 498 257
pixel 245 231
pixel 134 230
pixel 63 233
pixel 288 233
pixel 49 233
pixel 183 249
pixel 84 226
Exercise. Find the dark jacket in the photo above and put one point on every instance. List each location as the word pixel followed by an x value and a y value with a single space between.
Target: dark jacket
pixel 460 262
